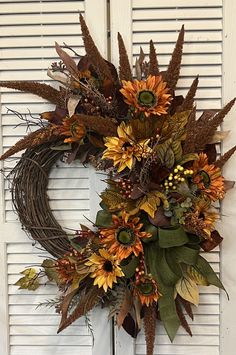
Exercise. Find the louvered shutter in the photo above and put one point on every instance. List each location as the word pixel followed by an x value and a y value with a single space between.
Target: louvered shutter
pixel 160 20
pixel 28 32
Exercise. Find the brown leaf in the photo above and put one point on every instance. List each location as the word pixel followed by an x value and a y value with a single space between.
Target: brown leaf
pixel 159 220
pixel 182 318
pixel 125 308
pixel 67 60
pixel 228 184
pixel 210 244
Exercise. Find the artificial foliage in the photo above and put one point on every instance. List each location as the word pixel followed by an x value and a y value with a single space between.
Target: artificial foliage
pixel 142 255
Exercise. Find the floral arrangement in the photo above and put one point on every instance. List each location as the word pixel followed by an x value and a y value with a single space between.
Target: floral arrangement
pixel 141 257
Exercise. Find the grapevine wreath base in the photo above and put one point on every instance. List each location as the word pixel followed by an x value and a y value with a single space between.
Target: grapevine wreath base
pixel 141 258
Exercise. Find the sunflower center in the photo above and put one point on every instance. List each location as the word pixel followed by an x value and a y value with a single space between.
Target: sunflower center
pixel 107 266
pixel 126 145
pixel 146 288
pixel 125 236
pixel 205 178
pixel 147 98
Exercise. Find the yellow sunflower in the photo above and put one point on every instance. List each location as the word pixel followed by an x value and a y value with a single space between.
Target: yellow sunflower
pixel 202 220
pixel 124 236
pixel 72 129
pixel 149 96
pixel 104 269
pixel 146 289
pixel 208 178
pixel 124 149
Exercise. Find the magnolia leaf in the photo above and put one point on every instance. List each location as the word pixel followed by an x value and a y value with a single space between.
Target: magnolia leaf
pixel 188 289
pixel 103 219
pixel 185 254
pixel 169 159
pixel 198 278
pixel 188 157
pixel 169 268
pixel 162 148
pixel 168 313
pixel 72 104
pixel 172 237
pixel 177 150
pixel 219 136
pixel 125 308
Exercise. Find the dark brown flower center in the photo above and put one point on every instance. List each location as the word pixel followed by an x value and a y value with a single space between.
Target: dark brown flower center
pixel 125 236
pixel 146 288
pixel 107 266
pixel 147 98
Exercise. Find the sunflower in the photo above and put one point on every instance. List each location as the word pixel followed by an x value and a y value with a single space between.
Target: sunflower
pixel 124 148
pixel 149 96
pixel 124 236
pixel 202 219
pixel 146 289
pixel 104 269
pixel 72 129
pixel 208 178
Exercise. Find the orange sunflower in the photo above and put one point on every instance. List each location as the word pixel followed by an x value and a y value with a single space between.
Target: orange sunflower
pixel 149 96
pixel 146 289
pixel 72 129
pixel 124 236
pixel 124 149
pixel 104 269
pixel 208 178
pixel 202 220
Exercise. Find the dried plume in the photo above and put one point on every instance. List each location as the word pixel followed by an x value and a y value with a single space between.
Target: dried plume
pixel 125 69
pixel 153 63
pixel 102 125
pixel 189 99
pixel 86 303
pixel 33 139
pixel 93 53
pixel 224 158
pixel 207 125
pixel 45 91
pixel 150 327
pixel 189 142
pixel 173 70
pixel 182 318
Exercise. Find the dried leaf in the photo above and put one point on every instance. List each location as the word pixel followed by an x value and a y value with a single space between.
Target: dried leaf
pixel 198 278
pixel 72 104
pixel 67 60
pixel 210 244
pixel 188 289
pixel 182 318
pixel 125 308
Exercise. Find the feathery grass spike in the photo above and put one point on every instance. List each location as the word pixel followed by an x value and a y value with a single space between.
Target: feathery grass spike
pixel 153 63
pixel 150 327
pixel 125 69
pixel 189 143
pixel 93 53
pixel 173 70
pixel 222 160
pixel 189 99
pixel 45 91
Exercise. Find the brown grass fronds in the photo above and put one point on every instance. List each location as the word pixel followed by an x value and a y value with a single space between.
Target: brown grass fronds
pixel 173 70
pixel 124 69
pixel 150 328
pixel 153 63
pixel 33 139
pixel 102 125
pixel 93 53
pixel 224 158
pixel 45 91
pixel 189 143
pixel 188 102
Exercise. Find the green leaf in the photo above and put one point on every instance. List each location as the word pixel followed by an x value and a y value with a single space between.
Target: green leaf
pixel 103 219
pixel 172 237
pixel 188 289
pixel 188 157
pixel 128 266
pixel 169 268
pixel 185 255
pixel 206 270
pixel 177 150
pixel 168 313
pixel 169 159
pixel 50 270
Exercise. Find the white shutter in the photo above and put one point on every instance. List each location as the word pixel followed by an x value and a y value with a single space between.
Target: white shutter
pixel 160 21
pixel 28 32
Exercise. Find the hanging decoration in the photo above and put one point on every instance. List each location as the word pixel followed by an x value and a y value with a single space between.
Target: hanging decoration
pixel 142 255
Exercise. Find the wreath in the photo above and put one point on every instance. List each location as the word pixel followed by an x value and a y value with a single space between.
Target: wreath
pixel 141 256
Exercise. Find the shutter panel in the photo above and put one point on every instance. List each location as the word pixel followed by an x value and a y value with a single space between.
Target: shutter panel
pixel 28 32
pixel 160 21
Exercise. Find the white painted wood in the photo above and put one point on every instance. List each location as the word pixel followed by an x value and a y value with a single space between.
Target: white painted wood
pixel 228 258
